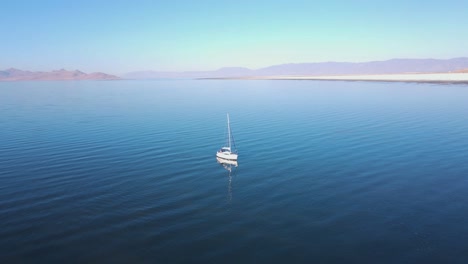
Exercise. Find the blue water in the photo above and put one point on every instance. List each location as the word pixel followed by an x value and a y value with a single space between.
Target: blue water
pixel 329 172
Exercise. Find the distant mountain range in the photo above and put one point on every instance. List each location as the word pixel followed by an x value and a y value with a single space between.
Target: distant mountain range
pixel 394 66
pixel 317 69
pixel 19 75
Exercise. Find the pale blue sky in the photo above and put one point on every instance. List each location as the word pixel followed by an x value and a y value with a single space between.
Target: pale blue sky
pixel 122 36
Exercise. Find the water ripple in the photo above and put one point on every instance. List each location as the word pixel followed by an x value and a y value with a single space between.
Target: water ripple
pixel 327 171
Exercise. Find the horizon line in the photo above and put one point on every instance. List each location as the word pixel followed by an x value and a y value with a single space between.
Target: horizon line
pixel 231 67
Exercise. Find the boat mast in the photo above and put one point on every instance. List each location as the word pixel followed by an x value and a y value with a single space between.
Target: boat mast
pixel 229 132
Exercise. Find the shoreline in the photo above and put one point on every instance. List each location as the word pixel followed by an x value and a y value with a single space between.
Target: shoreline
pixel 437 78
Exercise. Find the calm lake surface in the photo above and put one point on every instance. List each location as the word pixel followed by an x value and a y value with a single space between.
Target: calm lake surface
pixel 329 172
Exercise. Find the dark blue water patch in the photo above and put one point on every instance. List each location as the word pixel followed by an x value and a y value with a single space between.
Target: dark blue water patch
pixel 329 172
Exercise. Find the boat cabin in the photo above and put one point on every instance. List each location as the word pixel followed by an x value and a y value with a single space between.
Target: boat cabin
pixel 225 149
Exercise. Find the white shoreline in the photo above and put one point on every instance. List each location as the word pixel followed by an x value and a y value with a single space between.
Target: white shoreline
pixel 408 77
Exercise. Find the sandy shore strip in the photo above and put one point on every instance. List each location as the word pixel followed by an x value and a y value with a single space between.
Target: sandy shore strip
pixel 416 77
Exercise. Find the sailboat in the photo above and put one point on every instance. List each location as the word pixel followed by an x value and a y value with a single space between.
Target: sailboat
pixel 228 152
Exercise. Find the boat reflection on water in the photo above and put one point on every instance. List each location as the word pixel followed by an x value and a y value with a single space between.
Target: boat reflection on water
pixel 231 167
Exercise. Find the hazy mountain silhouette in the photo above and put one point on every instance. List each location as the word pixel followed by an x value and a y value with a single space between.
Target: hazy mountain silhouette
pixel 291 69
pixel 319 68
pixel 223 72
pixel 19 75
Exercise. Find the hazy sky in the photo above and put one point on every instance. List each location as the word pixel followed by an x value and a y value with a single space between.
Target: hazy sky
pixel 122 36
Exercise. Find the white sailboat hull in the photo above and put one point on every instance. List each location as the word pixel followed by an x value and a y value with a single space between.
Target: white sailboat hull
pixel 226 162
pixel 226 156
